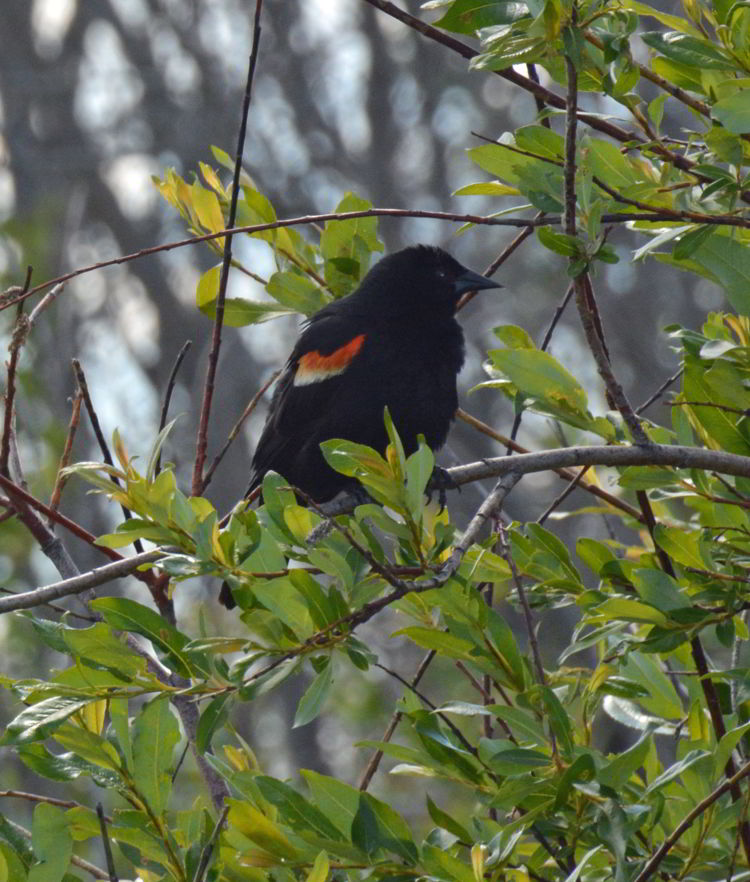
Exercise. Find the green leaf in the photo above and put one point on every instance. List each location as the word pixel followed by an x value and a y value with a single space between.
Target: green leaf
pixel 670 21
pixel 486 188
pixel 687 243
pixel 205 203
pixel 514 49
pixel 213 716
pixel 618 772
pixel 733 112
pixel 259 828
pixel 347 245
pixel 367 466
pixel 238 312
pixel 296 292
pixel 52 844
pixel 376 825
pixel 338 801
pixel 89 746
pixel 511 761
pixel 560 243
pixel 559 721
pixel 98 646
pixel 295 810
pixel 646 477
pixel 541 141
pixel 255 208
pixel 283 599
pixel 689 50
pixel 728 260
pixel 419 468
pixel 468 16
pixel 441 864
pixel 540 376
pixel 37 722
pixel 682 546
pixel 442 641
pixel 678 768
pixel 444 820
pixel 127 615
pixel 608 164
pixel 659 589
pixel 593 553
pixel 630 611
pixel 514 337
pixel 155 734
pixel 311 703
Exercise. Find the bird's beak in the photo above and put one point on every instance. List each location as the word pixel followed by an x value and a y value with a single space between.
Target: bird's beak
pixel 471 281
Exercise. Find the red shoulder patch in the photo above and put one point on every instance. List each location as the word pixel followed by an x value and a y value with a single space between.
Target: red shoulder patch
pixel 314 367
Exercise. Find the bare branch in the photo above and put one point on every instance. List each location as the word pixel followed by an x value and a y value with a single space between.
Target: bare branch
pixel 168 393
pixel 252 404
pixel 565 474
pixel 480 220
pixel 213 358
pixel 60 479
pixel 20 332
pixel 79 583
pixel 372 765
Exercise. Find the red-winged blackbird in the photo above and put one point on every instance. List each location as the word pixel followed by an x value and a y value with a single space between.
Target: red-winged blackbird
pixel 395 341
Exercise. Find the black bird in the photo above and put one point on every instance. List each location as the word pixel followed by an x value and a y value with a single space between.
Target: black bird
pixel 393 342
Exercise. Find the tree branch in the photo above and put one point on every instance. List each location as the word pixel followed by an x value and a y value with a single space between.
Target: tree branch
pixel 79 583
pixel 213 358
pixel 481 220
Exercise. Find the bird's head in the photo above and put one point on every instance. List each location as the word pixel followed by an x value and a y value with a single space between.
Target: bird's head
pixel 421 278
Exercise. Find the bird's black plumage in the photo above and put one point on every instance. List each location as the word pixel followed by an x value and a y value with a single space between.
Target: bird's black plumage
pixel 394 342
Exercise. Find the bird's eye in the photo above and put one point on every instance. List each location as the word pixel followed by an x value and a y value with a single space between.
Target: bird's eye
pixel 442 273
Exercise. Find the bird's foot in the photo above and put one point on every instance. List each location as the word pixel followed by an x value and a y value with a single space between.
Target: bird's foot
pixel 441 482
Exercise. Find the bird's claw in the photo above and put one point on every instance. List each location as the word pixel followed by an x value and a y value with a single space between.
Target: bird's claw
pixel 442 482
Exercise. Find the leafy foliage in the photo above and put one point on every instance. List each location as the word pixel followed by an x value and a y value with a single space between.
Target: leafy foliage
pixel 519 746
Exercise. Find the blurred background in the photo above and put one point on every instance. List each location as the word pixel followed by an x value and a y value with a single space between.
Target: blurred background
pixel 98 96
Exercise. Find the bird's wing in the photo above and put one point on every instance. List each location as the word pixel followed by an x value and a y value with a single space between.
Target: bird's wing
pixel 328 348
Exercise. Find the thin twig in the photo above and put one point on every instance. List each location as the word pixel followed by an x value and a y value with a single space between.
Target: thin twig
pixel 660 391
pixel 59 609
pixel 560 498
pixel 37 798
pixel 99 435
pixel 559 310
pixel 665 85
pixel 653 863
pixel 252 404
pixel 213 358
pixel 372 765
pixel 468 746
pixel 536 89
pixel 106 844
pixel 210 846
pixel 550 220
pixel 498 262
pixel 61 479
pixel 20 332
pixel 725 408
pixel 701 664
pixel 529 618
pixel 47 300
pixel 168 393
pixel 17 493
